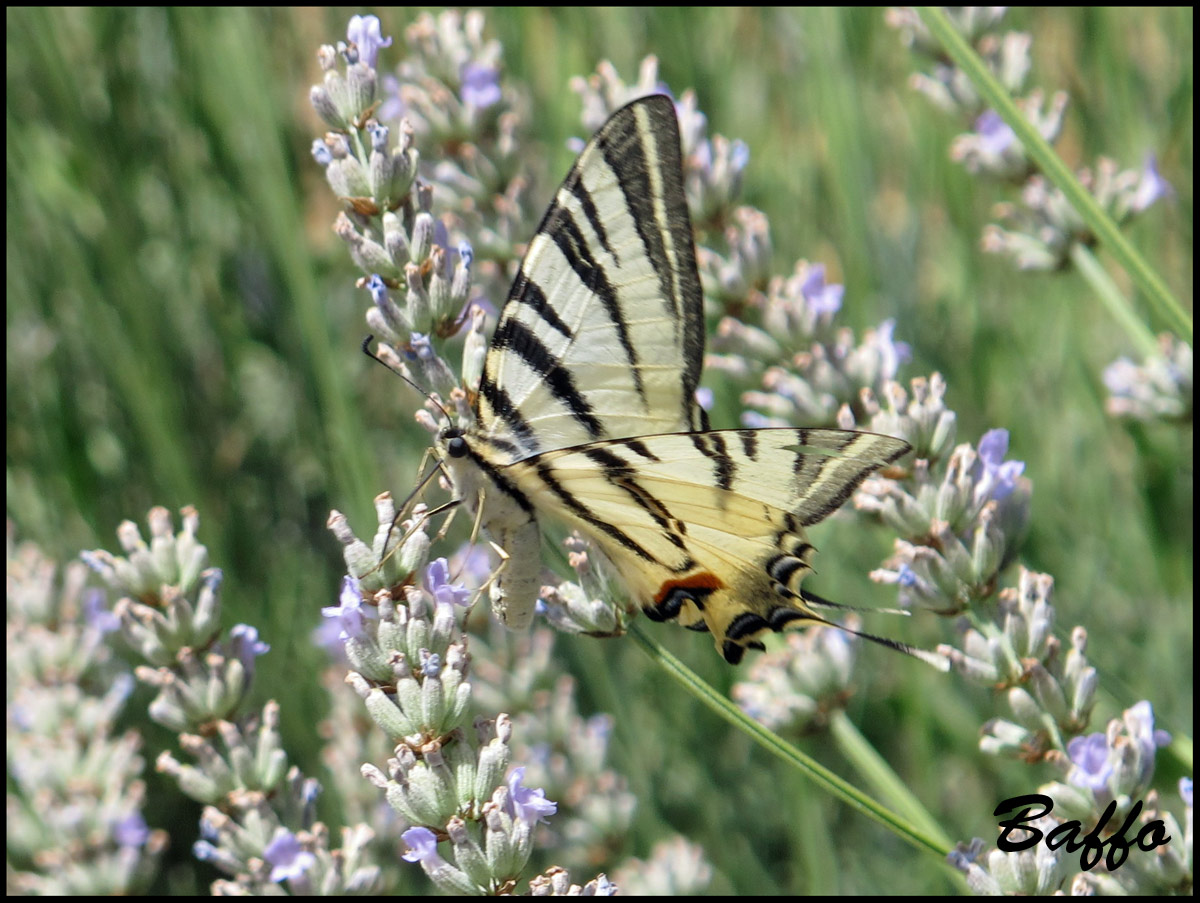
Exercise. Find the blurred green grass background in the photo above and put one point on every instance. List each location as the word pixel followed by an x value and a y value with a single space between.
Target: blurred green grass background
pixel 182 329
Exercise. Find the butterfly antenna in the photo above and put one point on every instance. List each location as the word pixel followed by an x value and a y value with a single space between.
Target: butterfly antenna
pixel 424 480
pixel 366 347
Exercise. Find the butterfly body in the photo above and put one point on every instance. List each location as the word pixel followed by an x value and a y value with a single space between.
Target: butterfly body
pixel 509 518
pixel 586 413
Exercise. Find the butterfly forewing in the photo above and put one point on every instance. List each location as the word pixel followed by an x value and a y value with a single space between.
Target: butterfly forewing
pixel 586 412
pixel 603 333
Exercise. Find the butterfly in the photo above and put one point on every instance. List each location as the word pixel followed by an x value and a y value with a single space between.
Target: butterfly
pixel 586 414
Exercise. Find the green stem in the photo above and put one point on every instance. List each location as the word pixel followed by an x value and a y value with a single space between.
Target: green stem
pixel 876 770
pixel 1147 280
pixel 1110 296
pixel 822 776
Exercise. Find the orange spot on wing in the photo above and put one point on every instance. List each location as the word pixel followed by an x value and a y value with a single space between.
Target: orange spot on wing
pixel 704 581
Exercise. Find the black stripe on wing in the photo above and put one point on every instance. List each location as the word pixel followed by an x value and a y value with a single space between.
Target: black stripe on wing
pixel 783 566
pixel 712 445
pixel 501 482
pixel 621 473
pixel 723 464
pixel 503 407
pixel 828 470
pixel 545 472
pixel 749 443
pixel 529 293
pixel 638 447
pixel 561 228
pixel 574 185
pixel 514 337
pixel 633 153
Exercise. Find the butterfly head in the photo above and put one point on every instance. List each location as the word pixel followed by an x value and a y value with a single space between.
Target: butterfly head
pixel 451 438
pixel 459 464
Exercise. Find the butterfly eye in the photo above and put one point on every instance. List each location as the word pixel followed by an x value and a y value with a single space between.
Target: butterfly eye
pixel 456 447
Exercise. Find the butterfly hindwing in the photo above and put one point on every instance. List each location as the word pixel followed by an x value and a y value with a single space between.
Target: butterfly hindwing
pixel 707 528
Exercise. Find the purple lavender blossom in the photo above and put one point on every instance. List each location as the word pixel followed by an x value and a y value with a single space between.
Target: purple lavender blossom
pixel 480 85
pixel 379 136
pixel 599 728
pixel 366 34
pixel 245 645
pixel 422 847
pixel 287 858
pixel 321 152
pixel 205 851
pixel 1152 187
pixel 755 420
pixel 437 580
pixel 995 135
pixel 392 107
pixel 328 636
pixel 431 663
pixel 421 347
pixel 821 298
pixel 1089 755
pixel 739 155
pixel 379 292
pixel 965 855
pixel 528 804
pixel 349 611
pixel 131 831
pixel 1139 722
pixel 96 612
pixel 472 563
pixel 891 353
pixel 995 478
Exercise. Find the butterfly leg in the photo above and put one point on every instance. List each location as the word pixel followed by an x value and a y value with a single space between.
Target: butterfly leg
pixel 514 582
pixel 388 541
pixel 497 569
pixel 393 540
pixel 472 541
